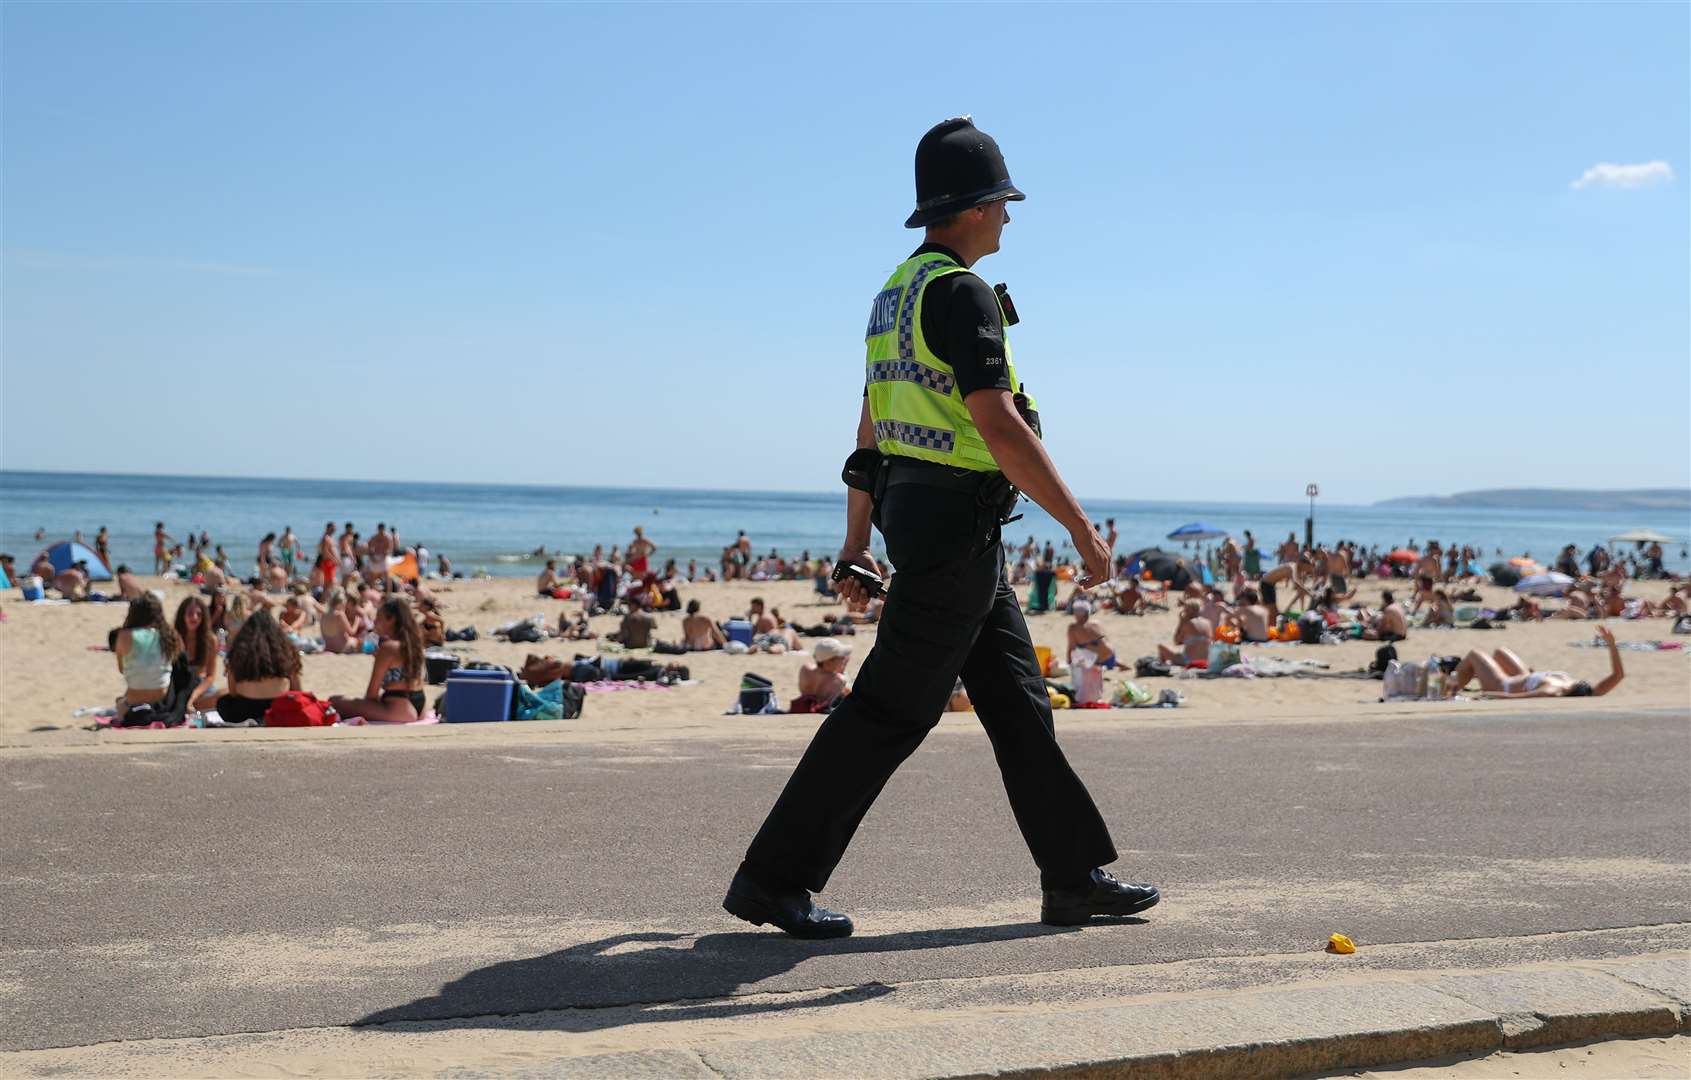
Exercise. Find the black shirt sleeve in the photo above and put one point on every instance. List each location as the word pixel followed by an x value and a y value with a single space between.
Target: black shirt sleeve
pixel 963 325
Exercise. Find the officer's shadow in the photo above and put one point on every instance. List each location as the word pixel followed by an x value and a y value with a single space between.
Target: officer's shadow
pixel 656 974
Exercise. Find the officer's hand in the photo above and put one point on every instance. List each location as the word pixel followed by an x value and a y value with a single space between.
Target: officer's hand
pixel 1094 556
pixel 850 589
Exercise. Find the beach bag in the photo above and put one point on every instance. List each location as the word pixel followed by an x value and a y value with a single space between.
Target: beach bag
pixel 1147 666
pixel 1403 681
pixel 1222 656
pixel 1384 655
pixel 574 699
pixel 297 708
pixel 757 694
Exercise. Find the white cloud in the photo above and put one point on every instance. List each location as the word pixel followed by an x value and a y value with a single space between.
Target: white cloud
pixel 1644 174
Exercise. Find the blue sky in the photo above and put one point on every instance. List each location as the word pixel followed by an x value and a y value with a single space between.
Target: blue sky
pixel 637 244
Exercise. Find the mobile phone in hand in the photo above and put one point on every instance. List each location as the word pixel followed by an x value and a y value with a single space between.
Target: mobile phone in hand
pixel 871 582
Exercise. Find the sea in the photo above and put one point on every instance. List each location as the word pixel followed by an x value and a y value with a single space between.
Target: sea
pixel 497 528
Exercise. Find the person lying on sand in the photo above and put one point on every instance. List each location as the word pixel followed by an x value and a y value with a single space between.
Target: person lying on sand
pixel 1503 675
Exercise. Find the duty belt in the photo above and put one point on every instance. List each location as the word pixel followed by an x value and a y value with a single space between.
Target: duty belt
pixel 990 489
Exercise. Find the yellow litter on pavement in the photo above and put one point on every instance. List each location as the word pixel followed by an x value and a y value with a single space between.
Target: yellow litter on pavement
pixel 1340 944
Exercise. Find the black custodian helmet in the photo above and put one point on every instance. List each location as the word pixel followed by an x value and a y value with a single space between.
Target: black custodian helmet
pixel 957 166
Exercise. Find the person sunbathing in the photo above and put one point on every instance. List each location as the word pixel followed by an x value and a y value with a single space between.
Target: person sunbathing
pixel 263 665
pixel 699 633
pixel 1130 599
pixel 548 579
pixel 1191 637
pixel 395 692
pixel 1391 624
pixel 336 628
pixel 199 650
pixel 1441 612
pixel 72 582
pixel 1503 675
pixel 1084 633
pixel 1252 617
pixel 293 618
pixel 128 588
pixel 822 683
pixel 146 648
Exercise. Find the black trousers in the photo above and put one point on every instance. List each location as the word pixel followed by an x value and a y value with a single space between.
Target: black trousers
pixel 949 612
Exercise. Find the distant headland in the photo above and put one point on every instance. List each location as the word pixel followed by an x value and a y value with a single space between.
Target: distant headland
pixel 1652 499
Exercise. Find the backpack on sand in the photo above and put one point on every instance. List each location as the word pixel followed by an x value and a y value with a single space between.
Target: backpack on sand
pixel 296 708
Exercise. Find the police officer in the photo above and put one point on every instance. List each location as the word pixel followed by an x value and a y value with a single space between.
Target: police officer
pixel 946 428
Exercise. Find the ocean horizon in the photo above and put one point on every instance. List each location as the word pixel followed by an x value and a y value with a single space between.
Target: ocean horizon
pixel 495 527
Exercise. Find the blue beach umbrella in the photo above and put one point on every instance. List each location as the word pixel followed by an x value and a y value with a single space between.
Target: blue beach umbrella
pixel 1197 530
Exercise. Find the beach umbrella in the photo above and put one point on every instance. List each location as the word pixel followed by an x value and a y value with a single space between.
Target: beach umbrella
pixel 1404 555
pixel 1197 530
pixel 1549 583
pixel 1641 536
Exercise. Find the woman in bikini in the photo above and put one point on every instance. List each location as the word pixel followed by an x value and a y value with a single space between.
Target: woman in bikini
pixel 1503 675
pixel 199 649
pixel 1086 634
pixel 395 693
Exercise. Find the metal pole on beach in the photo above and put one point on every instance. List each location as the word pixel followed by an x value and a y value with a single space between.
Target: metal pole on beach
pixel 1309 522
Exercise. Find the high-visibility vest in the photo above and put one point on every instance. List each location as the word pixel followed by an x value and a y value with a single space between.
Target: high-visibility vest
pixel 914 403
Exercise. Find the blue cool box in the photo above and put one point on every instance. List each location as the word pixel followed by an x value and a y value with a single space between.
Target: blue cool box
pixel 738 630
pixel 478 696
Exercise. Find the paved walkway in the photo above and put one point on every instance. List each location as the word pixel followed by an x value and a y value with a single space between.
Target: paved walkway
pixel 182 891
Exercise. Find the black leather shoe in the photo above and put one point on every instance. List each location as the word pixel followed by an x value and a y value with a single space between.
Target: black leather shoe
pixel 1104 896
pixel 791 910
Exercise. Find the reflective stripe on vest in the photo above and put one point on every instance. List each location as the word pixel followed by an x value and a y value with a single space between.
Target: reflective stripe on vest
pixel 914 403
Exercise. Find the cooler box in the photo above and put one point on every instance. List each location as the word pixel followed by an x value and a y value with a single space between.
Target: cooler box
pixel 738 630
pixel 33 590
pixel 475 696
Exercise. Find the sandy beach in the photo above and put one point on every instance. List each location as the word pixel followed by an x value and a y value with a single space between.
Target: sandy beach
pixel 52 663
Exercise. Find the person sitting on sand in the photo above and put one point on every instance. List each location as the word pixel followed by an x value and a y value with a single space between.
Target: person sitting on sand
pixel 1191 637
pixel 548 579
pixel 1130 598
pixel 146 648
pixel 128 588
pixel 1391 624
pixel 336 628
pixel 1086 633
pixel 1252 617
pixel 637 626
pixel 293 618
pixel 1216 608
pixel 699 633
pixel 822 683
pixel 199 650
pixel 1503 675
pixel 1441 612
pixel 395 692
pixel 263 665
pixel 72 581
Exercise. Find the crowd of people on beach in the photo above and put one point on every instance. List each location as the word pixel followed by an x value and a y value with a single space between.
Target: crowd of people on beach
pixel 354 593
pixel 357 594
